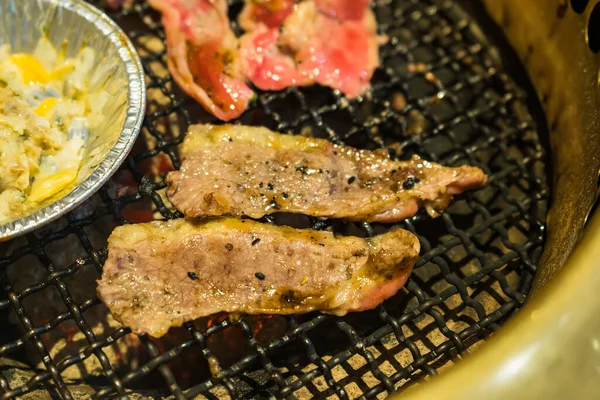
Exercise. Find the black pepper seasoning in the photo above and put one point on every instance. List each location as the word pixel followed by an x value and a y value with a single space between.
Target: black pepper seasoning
pixel 270 187
pixel 260 185
pixel 410 182
pixel 260 275
pixel 255 242
pixel 351 180
pixel 274 204
pixel 229 246
pixel 192 275
pixel 284 195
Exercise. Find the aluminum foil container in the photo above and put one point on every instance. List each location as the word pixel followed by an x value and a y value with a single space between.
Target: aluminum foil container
pixel 117 71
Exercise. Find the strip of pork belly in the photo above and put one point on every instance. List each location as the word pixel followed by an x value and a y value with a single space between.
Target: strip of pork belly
pixel 160 274
pixel 239 170
pixel 333 43
pixel 202 55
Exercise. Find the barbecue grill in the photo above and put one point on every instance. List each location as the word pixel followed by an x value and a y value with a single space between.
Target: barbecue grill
pixel 454 87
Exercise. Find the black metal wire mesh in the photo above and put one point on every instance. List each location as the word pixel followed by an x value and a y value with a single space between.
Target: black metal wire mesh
pixel 441 93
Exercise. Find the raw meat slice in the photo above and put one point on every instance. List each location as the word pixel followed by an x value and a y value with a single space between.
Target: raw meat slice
pixel 202 55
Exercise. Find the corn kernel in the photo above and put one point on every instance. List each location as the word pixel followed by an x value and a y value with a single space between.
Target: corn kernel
pixel 43 188
pixel 31 69
pixel 46 106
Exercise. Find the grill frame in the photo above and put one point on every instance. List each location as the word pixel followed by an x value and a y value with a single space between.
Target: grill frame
pixel 147 189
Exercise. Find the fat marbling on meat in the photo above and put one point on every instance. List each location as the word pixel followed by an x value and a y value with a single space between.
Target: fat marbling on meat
pixel 330 42
pixel 161 274
pixel 241 170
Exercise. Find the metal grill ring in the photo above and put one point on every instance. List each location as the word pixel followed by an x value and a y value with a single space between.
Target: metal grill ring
pixel 442 93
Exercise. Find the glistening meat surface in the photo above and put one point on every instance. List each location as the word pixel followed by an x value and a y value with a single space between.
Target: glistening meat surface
pixel 332 43
pixel 241 170
pixel 202 55
pixel 161 274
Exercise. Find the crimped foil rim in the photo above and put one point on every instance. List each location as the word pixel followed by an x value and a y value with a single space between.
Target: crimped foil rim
pixel 131 127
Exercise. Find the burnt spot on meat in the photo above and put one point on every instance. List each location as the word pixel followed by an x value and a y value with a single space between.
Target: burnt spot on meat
pixel 125 260
pixel 289 297
pixel 332 189
pixel 229 246
pixel 192 275
pixel 260 276
pixel 351 180
pixel 255 241
pixel 359 253
pixel 209 199
pixel 410 182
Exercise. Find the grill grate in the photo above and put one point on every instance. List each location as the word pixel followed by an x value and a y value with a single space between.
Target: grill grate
pixel 441 93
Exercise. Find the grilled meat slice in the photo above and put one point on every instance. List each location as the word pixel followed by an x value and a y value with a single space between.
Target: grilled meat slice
pixel 241 170
pixel 202 54
pixel 161 274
